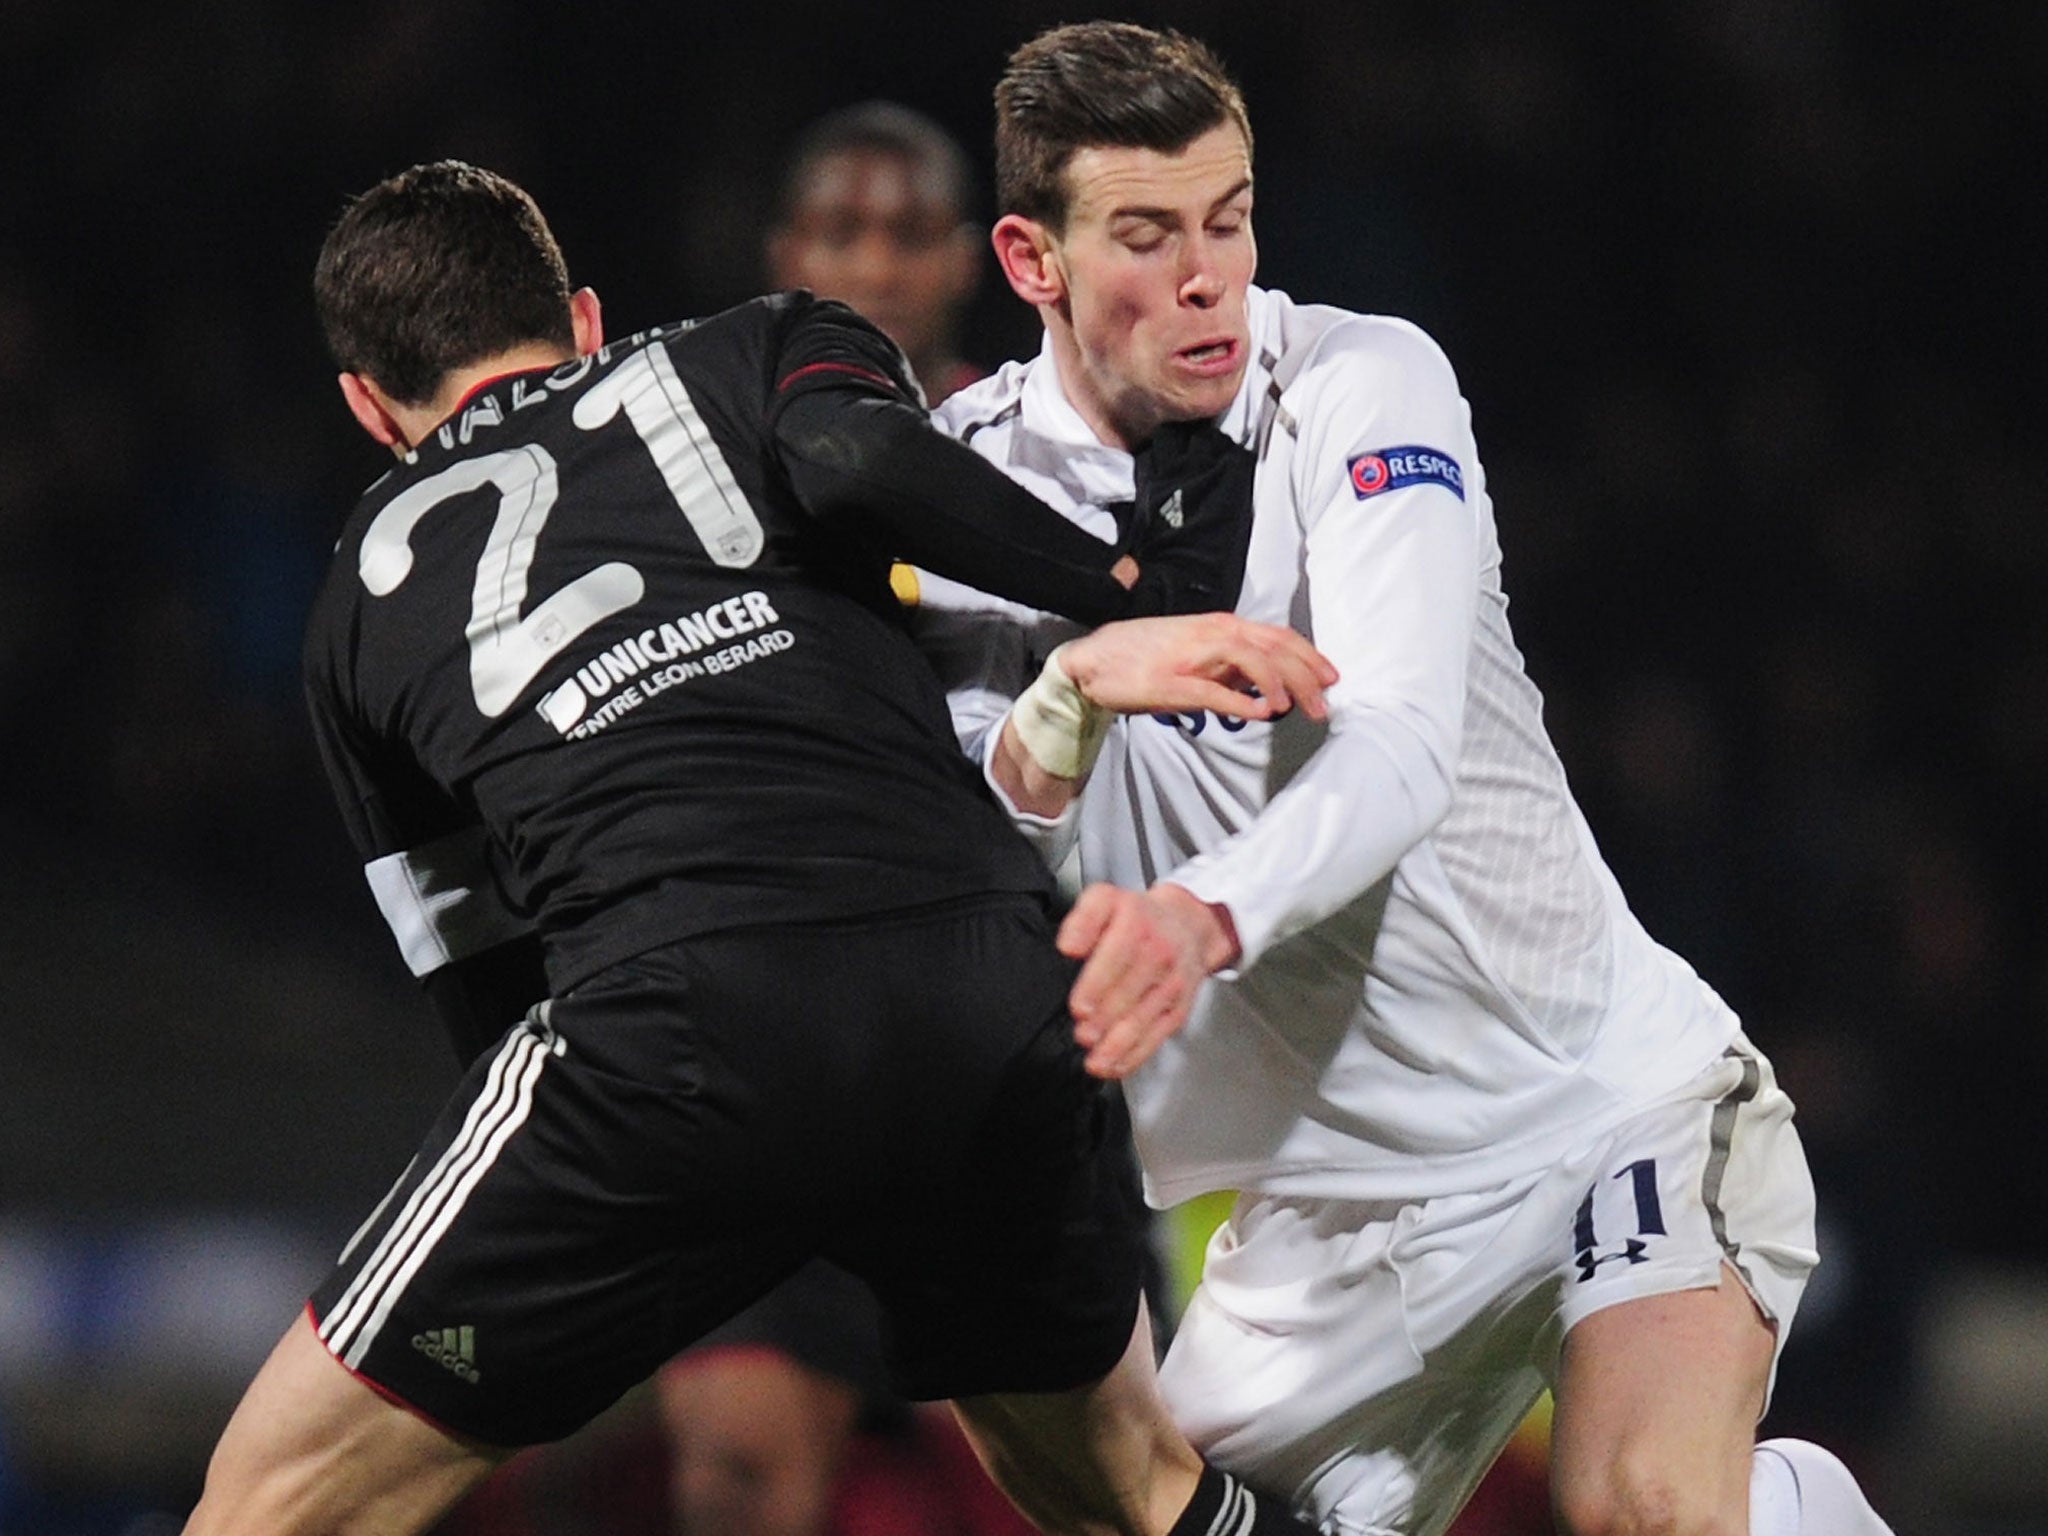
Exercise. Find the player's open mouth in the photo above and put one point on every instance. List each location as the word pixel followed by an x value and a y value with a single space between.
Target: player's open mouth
pixel 1210 356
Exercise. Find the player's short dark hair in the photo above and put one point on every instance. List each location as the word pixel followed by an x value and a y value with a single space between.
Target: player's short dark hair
pixel 433 269
pixel 1101 83
pixel 881 127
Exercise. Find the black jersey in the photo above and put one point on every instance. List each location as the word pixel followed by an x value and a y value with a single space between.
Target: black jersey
pixel 591 616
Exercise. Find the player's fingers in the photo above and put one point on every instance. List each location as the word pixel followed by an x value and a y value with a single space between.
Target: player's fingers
pixel 1134 952
pixel 1261 680
pixel 1292 648
pixel 1293 643
pixel 1126 965
pixel 1278 640
pixel 1303 683
pixel 1235 653
pixel 1081 929
pixel 1131 1041
pixel 1191 695
pixel 1099 932
pixel 1289 666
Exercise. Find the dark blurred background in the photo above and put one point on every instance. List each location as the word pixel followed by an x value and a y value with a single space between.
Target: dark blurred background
pixel 1737 290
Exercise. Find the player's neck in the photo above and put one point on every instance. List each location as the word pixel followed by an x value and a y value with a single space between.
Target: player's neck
pixel 418 421
pixel 1076 385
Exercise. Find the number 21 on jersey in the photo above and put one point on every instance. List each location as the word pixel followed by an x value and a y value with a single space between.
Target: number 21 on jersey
pixel 508 648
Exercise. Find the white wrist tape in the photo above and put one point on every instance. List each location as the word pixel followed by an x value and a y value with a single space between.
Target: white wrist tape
pixel 1058 726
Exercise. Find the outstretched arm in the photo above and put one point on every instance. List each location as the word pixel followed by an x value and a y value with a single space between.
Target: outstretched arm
pixel 1147 952
pixel 858 448
pixel 868 459
pixel 1210 661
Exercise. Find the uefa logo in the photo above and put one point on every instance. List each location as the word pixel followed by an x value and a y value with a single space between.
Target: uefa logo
pixel 1369 474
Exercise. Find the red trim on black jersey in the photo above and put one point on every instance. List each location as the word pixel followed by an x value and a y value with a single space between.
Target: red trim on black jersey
pixel 499 378
pixel 858 372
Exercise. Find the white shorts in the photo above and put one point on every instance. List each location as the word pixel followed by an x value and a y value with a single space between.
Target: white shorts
pixel 1369 1360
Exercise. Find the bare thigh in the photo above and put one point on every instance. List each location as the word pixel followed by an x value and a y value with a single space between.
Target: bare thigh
pixel 312 1449
pixel 1657 1404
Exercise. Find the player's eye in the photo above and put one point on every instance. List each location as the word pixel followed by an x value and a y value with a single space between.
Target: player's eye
pixel 1230 221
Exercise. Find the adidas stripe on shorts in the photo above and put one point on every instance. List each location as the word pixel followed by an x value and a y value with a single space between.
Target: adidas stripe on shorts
pixel 639 1160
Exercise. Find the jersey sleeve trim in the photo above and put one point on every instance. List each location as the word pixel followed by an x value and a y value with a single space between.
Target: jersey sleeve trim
pixel 867 375
pixel 441 901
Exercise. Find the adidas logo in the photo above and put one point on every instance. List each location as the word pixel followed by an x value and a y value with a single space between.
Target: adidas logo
pixel 1171 510
pixel 454 1348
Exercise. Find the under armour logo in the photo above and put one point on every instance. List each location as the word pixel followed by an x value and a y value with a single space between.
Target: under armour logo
pixel 1649 1214
pixel 1630 1252
pixel 1170 513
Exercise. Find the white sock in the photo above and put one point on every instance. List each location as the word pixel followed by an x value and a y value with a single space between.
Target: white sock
pixel 1798 1489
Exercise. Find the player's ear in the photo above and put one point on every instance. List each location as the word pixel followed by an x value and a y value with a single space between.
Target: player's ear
pixel 1025 252
pixel 372 412
pixel 586 321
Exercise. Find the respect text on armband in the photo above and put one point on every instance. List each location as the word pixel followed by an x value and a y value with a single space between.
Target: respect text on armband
pixel 716 639
pixel 1393 469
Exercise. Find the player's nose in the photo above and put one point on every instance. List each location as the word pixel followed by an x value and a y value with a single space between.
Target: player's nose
pixel 1201 283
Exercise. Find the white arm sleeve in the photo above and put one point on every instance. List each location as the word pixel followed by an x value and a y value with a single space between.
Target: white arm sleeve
pixel 1391 580
pixel 986 652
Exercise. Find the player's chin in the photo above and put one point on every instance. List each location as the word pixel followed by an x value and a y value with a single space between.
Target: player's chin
pixel 1201 399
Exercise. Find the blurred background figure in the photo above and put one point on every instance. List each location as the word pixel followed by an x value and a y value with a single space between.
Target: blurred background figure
pixel 782 1423
pixel 876 209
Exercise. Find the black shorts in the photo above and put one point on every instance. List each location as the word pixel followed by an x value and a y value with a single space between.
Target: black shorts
pixel 640 1159
pixel 825 1320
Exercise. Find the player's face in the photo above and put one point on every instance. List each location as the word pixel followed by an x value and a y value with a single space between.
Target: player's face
pixel 881 233
pixel 1156 256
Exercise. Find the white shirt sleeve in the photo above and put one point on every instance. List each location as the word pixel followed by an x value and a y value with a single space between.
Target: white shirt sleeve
pixel 1392 582
pixel 986 651
pixel 978 645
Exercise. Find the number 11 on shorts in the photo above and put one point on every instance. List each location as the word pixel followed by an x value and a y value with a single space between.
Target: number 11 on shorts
pixel 1649 1215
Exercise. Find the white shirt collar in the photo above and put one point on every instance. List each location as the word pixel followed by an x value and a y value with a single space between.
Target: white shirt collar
pixel 1262 320
pixel 1061 444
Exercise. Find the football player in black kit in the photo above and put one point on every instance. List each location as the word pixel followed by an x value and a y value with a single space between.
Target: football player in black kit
pixel 608 674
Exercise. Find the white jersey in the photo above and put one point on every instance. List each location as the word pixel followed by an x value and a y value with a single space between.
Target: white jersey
pixel 1442 986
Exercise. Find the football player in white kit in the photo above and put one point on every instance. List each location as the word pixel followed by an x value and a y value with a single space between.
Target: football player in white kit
pixel 1490 1136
